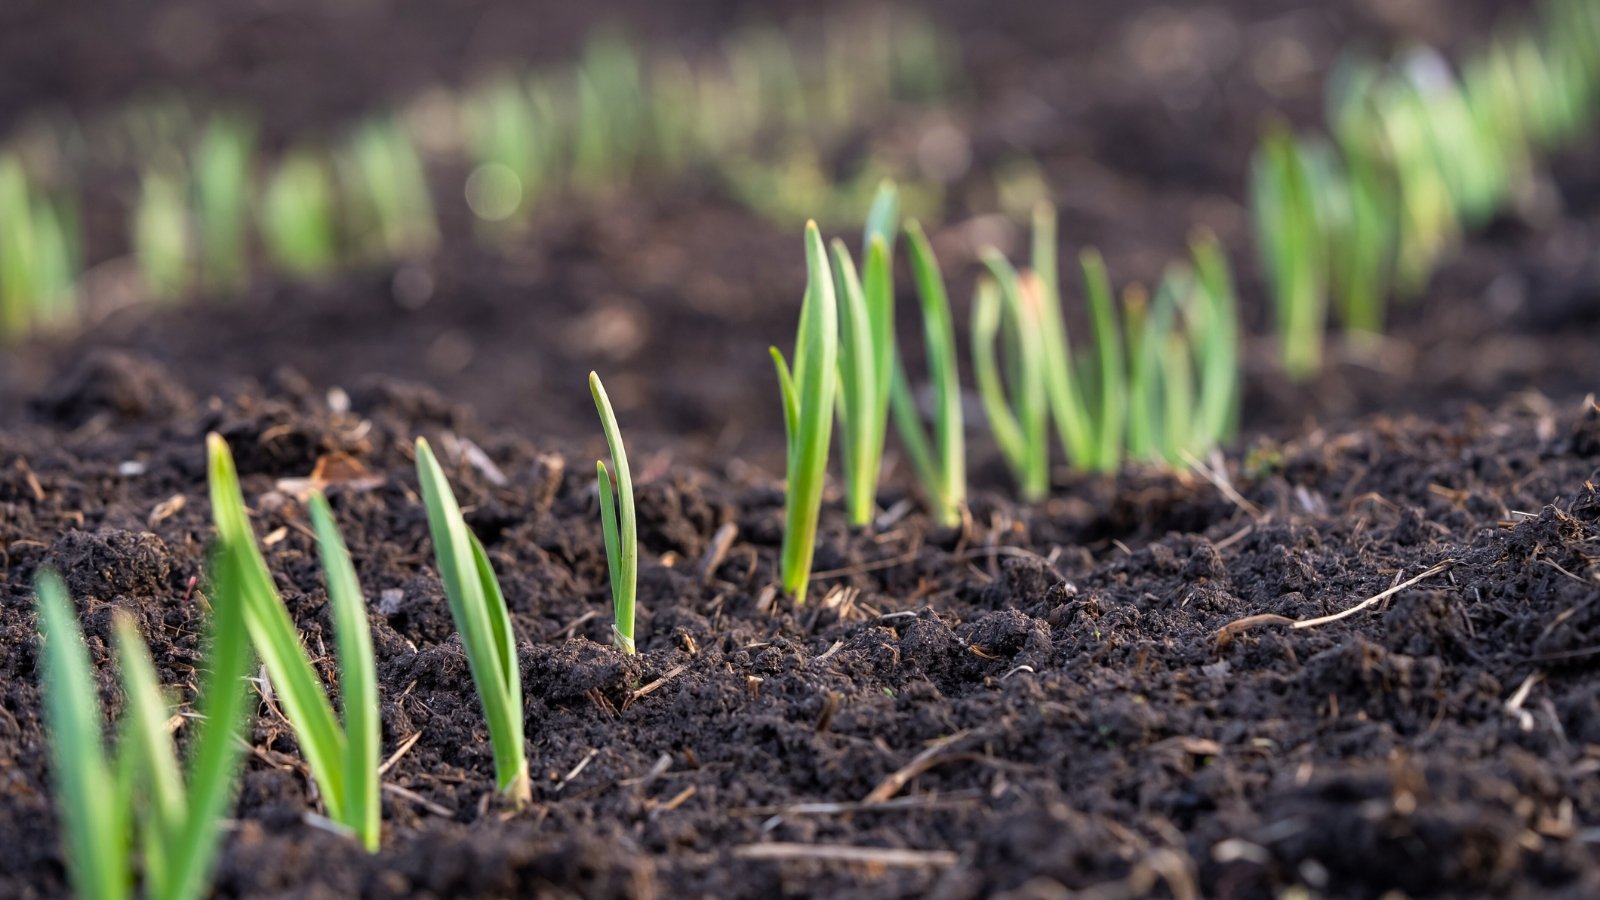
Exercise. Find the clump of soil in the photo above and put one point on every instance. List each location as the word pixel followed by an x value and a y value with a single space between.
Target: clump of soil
pixel 1050 699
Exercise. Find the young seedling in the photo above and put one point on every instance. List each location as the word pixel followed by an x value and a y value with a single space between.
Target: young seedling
pixel 106 802
pixel 866 355
pixel 608 114
pixel 1429 220
pixel 1004 304
pixel 1110 383
pixel 38 255
pixel 1217 347
pixel 343 762
pixel 940 464
pixel 16 251
pixel 297 215
pixel 1285 215
pixel 1356 196
pixel 222 195
pixel 808 408
pixel 479 610
pixel 508 145
pixel 617 520
pixel 95 810
pixel 161 239
pixel 387 190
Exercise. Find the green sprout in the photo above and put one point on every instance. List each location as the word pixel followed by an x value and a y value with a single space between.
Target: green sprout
pixel 95 811
pixel 1167 420
pixel 940 464
pixel 105 802
pixel 808 408
pixel 1355 196
pixel 1004 309
pixel 386 191
pixel 161 238
pixel 297 215
pixel 479 609
pixel 16 250
pixel 866 355
pixel 674 89
pixel 1287 230
pixel 344 762
pixel 222 194
pixel 39 255
pixel 1216 318
pixel 608 113
pixel 510 148
pixel 617 520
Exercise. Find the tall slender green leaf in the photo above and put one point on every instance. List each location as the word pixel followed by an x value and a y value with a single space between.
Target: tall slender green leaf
pixel 621 532
pixel 481 618
pixel 809 392
pixel 95 815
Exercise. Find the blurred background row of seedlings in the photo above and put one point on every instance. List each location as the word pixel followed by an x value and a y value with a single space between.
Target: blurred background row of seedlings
pixel 1417 154
pixel 763 117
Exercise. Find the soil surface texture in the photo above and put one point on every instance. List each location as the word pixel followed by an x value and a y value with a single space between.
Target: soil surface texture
pixel 1106 691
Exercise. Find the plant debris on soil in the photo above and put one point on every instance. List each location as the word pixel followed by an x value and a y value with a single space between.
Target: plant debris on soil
pixel 1056 695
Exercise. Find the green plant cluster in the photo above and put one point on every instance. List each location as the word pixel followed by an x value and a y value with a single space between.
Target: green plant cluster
pixel 1159 382
pixel 1416 155
pixel 137 815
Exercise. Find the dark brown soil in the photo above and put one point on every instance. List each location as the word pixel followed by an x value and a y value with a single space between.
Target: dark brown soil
pixel 1091 728
pixel 1057 670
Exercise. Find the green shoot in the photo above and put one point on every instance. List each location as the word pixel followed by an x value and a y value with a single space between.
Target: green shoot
pixel 608 113
pixel 161 236
pixel 942 467
pixel 17 296
pixel 1072 416
pixel 1356 196
pixel 1143 359
pixel 479 610
pixel 507 144
pixel 297 215
pixel 179 823
pixel 222 195
pixel 95 814
pixel 808 408
pixel 343 762
pixel 1429 221
pixel 1285 216
pixel 866 355
pixel 617 519
pixel 1216 318
pixel 1005 309
pixel 388 191
pixel 878 283
pixel 38 255
pixel 1107 422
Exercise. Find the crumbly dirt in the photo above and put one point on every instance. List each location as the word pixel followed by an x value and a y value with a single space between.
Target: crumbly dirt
pixel 1071 685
